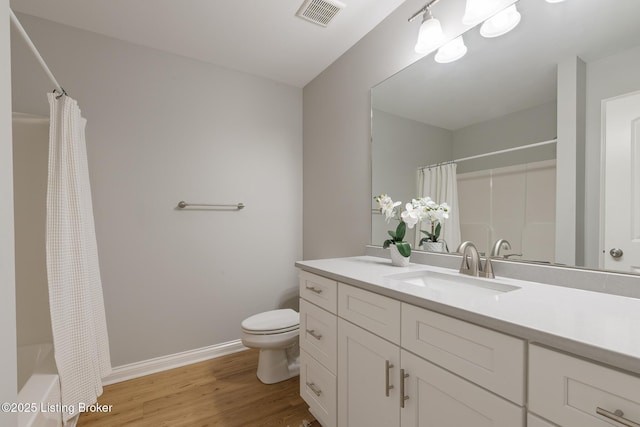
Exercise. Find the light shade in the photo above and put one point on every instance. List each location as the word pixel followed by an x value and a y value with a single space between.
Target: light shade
pixel 555 1
pixel 476 11
pixel 501 23
pixel 430 35
pixel 451 51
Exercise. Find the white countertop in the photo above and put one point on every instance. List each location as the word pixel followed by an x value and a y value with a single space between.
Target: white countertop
pixel 598 326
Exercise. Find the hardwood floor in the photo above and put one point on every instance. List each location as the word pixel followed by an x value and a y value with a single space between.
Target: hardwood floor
pixel 223 392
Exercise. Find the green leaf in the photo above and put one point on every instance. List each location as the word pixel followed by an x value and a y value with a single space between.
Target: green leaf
pixel 404 248
pixel 392 234
pixel 437 232
pixel 400 231
pixel 386 244
pixel 429 237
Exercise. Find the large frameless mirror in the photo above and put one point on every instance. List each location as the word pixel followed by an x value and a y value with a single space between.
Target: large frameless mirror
pixel 489 126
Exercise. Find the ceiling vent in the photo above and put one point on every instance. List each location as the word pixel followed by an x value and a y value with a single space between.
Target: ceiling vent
pixel 320 12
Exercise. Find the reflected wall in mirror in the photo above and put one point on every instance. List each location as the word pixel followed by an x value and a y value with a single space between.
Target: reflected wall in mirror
pixel 497 114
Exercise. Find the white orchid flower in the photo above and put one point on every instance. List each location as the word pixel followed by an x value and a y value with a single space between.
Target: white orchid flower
pixel 445 207
pixel 431 211
pixel 387 206
pixel 410 215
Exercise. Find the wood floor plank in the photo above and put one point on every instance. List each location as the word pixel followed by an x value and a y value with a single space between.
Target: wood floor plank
pixel 222 392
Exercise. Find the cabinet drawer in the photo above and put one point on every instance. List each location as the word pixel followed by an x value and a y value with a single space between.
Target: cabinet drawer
pixel 318 334
pixel 568 390
pixel 318 389
pixel 319 290
pixel 373 312
pixel 533 421
pixel 488 358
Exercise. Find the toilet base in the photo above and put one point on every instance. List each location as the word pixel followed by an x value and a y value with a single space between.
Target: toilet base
pixel 276 365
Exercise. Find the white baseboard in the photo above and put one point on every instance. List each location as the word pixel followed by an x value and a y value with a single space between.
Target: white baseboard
pixel 163 363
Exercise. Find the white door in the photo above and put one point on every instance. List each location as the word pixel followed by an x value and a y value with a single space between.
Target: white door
pixel 365 397
pixel 621 131
pixel 437 398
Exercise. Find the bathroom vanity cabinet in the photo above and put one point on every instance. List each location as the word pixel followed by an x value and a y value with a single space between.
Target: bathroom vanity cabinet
pixel 369 359
pixel 382 383
pixel 381 379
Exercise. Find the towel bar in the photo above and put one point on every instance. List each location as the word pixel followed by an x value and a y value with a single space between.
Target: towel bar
pixel 182 204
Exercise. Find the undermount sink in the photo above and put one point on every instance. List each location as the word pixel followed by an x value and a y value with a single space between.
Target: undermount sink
pixel 453 284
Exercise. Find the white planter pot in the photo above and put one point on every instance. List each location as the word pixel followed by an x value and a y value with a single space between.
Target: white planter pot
pixel 433 246
pixel 396 258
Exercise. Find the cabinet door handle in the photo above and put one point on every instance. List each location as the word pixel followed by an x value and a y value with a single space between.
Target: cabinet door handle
pixel 617 416
pixel 314 389
pixel 314 289
pixel 403 398
pixel 387 386
pixel 314 334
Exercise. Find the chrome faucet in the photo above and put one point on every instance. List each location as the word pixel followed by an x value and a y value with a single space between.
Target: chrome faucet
pixel 499 244
pixel 472 264
pixel 462 246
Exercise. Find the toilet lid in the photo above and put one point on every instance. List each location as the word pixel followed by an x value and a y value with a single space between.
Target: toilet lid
pixel 272 320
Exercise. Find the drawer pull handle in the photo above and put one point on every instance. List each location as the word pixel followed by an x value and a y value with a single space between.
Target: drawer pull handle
pixel 314 389
pixel 387 386
pixel 403 398
pixel 618 416
pixel 314 334
pixel 314 289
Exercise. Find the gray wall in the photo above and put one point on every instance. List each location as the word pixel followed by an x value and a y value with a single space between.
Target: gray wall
pixel 163 128
pixel 337 112
pixel 8 367
pixel 523 127
pixel 30 157
pixel 609 77
pixel 400 147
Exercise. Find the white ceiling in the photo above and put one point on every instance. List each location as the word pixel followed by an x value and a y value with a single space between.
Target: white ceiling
pixel 260 37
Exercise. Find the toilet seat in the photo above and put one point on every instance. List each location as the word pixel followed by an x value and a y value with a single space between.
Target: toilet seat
pixel 272 322
pixel 271 332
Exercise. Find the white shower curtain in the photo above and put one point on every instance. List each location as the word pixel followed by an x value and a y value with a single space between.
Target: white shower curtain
pixel 78 321
pixel 440 183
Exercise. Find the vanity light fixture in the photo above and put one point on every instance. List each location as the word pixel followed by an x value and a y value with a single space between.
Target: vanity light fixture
pixel 476 11
pixel 430 34
pixel 555 1
pixel 501 23
pixel 451 51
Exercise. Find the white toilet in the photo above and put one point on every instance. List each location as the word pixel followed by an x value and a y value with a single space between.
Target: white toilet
pixel 275 333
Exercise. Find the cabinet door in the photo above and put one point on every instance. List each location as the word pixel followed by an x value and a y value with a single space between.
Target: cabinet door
pixel 437 398
pixel 368 373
